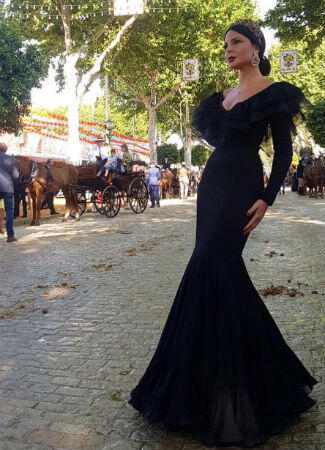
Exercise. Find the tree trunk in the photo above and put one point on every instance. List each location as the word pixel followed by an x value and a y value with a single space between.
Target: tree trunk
pixel 152 133
pixel 71 79
pixel 188 139
pixel 188 147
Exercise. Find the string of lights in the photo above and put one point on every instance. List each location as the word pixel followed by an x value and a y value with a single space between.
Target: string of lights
pixel 82 5
pixel 49 14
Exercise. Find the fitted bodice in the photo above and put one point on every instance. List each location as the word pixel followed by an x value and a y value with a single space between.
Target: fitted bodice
pixel 237 134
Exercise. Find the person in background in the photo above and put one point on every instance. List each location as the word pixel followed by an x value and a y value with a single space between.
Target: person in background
pixel 110 164
pixel 8 173
pixel 282 188
pixel 100 158
pixel 265 178
pixel 166 164
pixel 183 178
pixel 2 214
pixel 300 176
pixel 126 159
pixel 20 196
pixel 152 177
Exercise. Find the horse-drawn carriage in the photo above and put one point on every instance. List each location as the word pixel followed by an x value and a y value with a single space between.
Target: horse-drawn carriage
pixel 107 195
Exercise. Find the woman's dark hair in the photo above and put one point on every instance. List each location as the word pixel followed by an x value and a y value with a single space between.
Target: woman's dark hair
pixel 264 66
pixel 249 29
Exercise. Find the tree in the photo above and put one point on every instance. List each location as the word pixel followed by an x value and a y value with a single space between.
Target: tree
pixel 316 123
pixel 298 21
pixel 21 69
pixel 310 75
pixel 199 155
pixel 147 69
pixel 81 35
pixel 170 151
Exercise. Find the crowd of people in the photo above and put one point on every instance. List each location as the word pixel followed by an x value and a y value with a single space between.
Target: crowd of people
pixel 295 177
pixel 13 191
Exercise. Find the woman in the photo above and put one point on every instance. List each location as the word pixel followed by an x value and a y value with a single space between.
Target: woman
pixel 222 370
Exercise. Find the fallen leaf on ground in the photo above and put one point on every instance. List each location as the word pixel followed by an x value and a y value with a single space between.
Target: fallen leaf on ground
pixel 276 290
pixel 116 395
pixel 270 254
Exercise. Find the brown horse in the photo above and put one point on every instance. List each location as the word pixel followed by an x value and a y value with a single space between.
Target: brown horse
pixel 165 183
pixel 318 176
pixel 314 175
pixel 38 181
pixel 309 181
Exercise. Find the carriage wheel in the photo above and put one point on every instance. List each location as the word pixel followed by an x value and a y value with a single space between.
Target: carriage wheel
pixel 82 204
pixel 96 199
pixel 111 201
pixel 138 195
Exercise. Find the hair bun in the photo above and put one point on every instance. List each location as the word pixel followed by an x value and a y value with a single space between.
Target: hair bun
pixel 265 66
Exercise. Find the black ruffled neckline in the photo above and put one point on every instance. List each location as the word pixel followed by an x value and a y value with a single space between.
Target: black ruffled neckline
pixel 221 97
pixel 212 122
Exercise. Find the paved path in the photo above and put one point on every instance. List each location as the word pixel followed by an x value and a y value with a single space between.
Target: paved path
pixel 105 288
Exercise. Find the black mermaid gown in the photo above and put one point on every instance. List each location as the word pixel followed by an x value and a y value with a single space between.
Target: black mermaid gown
pixel 222 371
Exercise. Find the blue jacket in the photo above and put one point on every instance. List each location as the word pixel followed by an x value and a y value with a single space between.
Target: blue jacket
pixel 153 175
pixel 8 172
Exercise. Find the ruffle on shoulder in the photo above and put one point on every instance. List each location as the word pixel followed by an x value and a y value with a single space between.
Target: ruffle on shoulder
pixel 211 120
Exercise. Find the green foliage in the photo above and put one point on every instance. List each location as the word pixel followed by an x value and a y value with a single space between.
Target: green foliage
pixel 43 22
pixel 298 21
pixel 316 123
pixel 305 151
pixel 169 150
pixel 199 155
pixel 156 46
pixel 21 69
pixel 310 75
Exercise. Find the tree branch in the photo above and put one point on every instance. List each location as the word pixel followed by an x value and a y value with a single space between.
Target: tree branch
pixel 169 94
pixel 65 17
pixel 96 36
pixel 92 74
pixel 142 98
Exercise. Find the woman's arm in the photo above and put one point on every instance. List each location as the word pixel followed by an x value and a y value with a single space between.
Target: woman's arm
pixel 282 144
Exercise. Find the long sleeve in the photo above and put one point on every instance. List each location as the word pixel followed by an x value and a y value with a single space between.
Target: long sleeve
pixel 282 145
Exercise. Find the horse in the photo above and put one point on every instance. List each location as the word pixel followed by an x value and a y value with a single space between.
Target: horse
pixel 309 180
pixel 165 183
pixel 39 181
pixel 317 171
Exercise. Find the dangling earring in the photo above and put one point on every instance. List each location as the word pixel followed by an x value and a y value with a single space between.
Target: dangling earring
pixel 255 60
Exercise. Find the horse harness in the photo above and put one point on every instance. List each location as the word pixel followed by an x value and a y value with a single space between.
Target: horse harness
pixel 34 171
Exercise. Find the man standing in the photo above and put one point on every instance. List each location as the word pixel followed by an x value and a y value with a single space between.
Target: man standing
pixel 152 177
pixel 300 176
pixel 8 173
pixel 183 180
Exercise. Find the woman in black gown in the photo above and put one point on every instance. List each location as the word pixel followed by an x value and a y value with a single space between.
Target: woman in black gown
pixel 222 370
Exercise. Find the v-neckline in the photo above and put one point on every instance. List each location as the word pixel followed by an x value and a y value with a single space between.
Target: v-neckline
pixel 243 101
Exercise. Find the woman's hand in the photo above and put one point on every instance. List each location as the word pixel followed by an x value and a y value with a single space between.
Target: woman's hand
pixel 258 211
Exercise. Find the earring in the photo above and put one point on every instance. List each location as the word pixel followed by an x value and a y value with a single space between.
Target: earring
pixel 255 60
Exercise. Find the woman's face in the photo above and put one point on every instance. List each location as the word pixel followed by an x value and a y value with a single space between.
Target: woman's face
pixel 238 50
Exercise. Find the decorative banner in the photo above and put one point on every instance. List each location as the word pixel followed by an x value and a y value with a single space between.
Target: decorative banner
pixel 190 69
pixel 46 134
pixel 288 61
pixel 128 7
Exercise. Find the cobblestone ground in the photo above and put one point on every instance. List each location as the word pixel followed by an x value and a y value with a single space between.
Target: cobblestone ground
pixel 83 305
